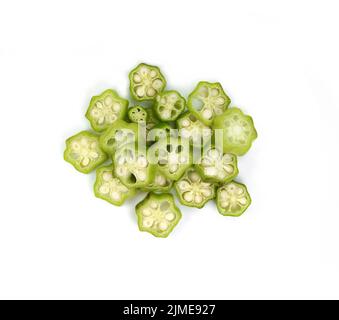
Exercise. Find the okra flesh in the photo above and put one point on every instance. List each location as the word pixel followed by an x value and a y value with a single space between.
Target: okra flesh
pixel 158 214
pixel 105 109
pixel 193 190
pixel 233 199
pixel 83 152
pixel 169 105
pixel 146 82
pixel 160 183
pixel 137 114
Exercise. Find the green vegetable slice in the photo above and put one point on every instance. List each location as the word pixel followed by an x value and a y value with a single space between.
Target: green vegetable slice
pixel 110 188
pixel 233 199
pixel 137 114
pixel 158 214
pixel 172 156
pixel 146 82
pixel 160 183
pixel 207 101
pixel 238 131
pixel 132 167
pixel 105 109
pixel 216 166
pixel 193 129
pixel 120 133
pixel 161 131
pixel 83 152
pixel 169 105
pixel 152 119
pixel 193 191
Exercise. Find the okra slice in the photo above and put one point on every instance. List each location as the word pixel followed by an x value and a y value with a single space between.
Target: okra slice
pixel 137 114
pixel 193 129
pixel 159 183
pixel 132 167
pixel 172 156
pixel 233 199
pixel 216 166
pixel 105 109
pixel 110 188
pixel 146 82
pixel 169 105
pixel 158 214
pixel 192 190
pixel 83 151
pixel 120 133
pixel 207 101
pixel 238 131
pixel 161 131
pixel 152 119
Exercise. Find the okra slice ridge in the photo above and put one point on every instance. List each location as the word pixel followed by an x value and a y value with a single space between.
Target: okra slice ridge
pixel 233 199
pixel 238 131
pixel 110 188
pixel 120 133
pixel 207 101
pixel 132 167
pixel 83 152
pixel 169 105
pixel 217 166
pixel 137 114
pixel 158 214
pixel 146 82
pixel 193 190
pixel 105 109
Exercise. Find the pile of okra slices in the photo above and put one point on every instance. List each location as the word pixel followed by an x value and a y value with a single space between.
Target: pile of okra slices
pixel 161 142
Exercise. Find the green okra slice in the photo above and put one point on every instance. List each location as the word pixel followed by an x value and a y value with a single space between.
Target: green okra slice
pixel 193 190
pixel 161 131
pixel 238 131
pixel 110 188
pixel 137 114
pixel 159 183
pixel 83 152
pixel 132 167
pixel 172 156
pixel 152 119
pixel 233 199
pixel 120 133
pixel 105 109
pixel 169 105
pixel 146 82
pixel 207 101
pixel 190 127
pixel 158 214
pixel 217 166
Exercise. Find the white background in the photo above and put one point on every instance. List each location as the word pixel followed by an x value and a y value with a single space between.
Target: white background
pixel 278 60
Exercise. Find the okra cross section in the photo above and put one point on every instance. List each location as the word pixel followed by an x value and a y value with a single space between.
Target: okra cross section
pixel 172 156
pixel 190 127
pixel 233 199
pixel 238 131
pixel 146 82
pixel 110 188
pixel 158 214
pixel 132 167
pixel 216 166
pixel 193 191
pixel 169 105
pixel 207 101
pixel 83 152
pixel 105 109
pixel 137 114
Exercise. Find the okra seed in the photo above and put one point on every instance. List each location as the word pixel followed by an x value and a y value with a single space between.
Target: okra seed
pixel 206 192
pixel 157 84
pixel 242 201
pixel 116 107
pixel 148 222
pixel 146 212
pixel 104 189
pixel 154 205
pixel 211 171
pixel 93 155
pixel 214 92
pixel 163 225
pixel 183 185
pixel 194 177
pixel 107 176
pixel 198 198
pixel 115 195
pixel 136 78
pixel 207 114
pixel 85 161
pixel 140 91
pixel 151 92
pixel 153 74
pixel 108 101
pixel 185 123
pixel 188 196
pixel 170 216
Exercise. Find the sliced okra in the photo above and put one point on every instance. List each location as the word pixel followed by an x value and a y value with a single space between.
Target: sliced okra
pixel 137 114
pixel 216 166
pixel 207 101
pixel 169 105
pixel 238 131
pixel 152 119
pixel 105 109
pixel 160 131
pixel 172 156
pixel 233 199
pixel 146 82
pixel 83 151
pixel 193 129
pixel 158 214
pixel 132 167
pixel 160 183
pixel 110 188
pixel 120 133
pixel 193 191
